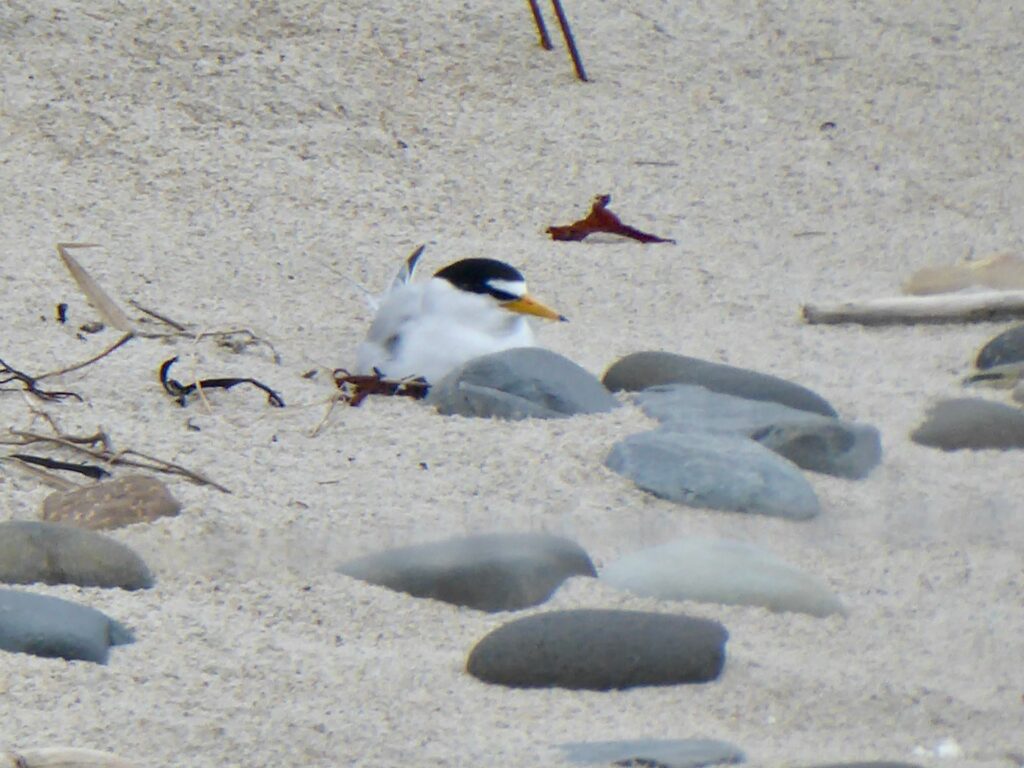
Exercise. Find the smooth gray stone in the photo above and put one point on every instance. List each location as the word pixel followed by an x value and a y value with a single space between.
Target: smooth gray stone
pixel 520 383
pixel 62 554
pixel 54 628
pixel 721 571
pixel 1007 347
pixel 870 764
pixel 600 650
pixel 658 753
pixel 492 572
pixel 811 441
pixel 971 423
pixel 717 471
pixel 641 370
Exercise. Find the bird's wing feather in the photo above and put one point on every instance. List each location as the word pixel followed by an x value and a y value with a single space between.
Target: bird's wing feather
pixel 408 270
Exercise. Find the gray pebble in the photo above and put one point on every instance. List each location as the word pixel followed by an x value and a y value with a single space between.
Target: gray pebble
pixel 1007 347
pixel 971 423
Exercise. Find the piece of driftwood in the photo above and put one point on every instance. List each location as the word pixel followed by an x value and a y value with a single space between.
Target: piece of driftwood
pixel 944 308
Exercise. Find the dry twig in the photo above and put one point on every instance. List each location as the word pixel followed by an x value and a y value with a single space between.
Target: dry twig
pixel 85 444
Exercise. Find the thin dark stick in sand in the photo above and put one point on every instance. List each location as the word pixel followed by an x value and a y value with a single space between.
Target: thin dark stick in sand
pixel 545 39
pixel 570 42
pixel 89 470
pixel 162 318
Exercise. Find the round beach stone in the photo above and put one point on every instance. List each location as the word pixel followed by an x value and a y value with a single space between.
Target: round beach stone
pixel 1007 347
pixel 971 423
pixel 721 571
pixel 656 753
pixel 716 471
pixel 641 370
pixel 54 628
pixel 112 503
pixel 811 441
pixel 600 650
pixel 490 572
pixel 62 554
pixel 529 382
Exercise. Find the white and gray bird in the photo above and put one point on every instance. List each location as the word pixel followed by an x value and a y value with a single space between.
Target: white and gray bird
pixel 470 308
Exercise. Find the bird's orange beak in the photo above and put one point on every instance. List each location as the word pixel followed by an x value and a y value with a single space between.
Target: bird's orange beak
pixel 525 305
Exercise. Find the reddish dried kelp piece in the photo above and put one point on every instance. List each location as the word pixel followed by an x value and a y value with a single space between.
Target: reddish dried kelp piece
pixel 355 388
pixel 600 219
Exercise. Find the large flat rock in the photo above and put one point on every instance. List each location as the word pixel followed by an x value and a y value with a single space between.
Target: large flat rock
pixel 654 753
pixel 112 503
pixel 600 650
pixel 530 382
pixel 721 571
pixel 54 628
pixel 811 441
pixel 641 370
pixel 716 471
pixel 62 554
pixel 490 572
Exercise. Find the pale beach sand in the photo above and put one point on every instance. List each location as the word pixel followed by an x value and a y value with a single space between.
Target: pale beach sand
pixel 236 161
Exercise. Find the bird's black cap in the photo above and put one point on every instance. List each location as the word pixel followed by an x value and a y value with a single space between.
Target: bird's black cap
pixel 482 276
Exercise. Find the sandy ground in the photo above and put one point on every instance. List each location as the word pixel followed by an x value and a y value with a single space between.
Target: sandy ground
pixel 240 162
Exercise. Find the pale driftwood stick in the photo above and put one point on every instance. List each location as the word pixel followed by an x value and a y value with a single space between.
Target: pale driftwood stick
pixel 942 308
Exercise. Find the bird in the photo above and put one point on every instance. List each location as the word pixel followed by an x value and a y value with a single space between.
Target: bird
pixel 469 308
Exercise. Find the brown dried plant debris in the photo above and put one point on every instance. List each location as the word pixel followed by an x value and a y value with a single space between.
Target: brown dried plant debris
pixel 355 387
pixel 600 219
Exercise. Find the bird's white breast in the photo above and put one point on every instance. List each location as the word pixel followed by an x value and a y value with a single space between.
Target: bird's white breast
pixel 427 329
